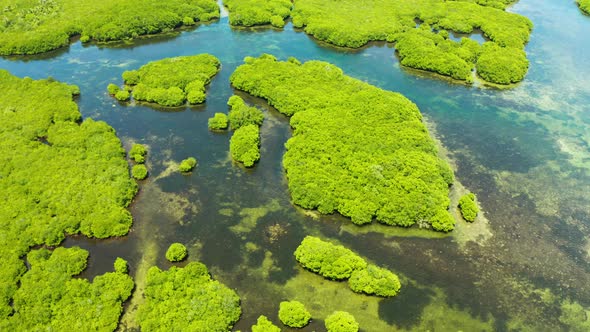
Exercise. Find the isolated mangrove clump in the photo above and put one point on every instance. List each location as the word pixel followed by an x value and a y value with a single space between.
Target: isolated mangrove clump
pixel 187 164
pixel 139 171
pixel 138 153
pixel 32 27
pixel 468 207
pixel 173 81
pixel 264 325
pixel 187 299
pixel 294 314
pixel 356 149
pixel 341 321
pixel 218 122
pixel 244 145
pixel 176 252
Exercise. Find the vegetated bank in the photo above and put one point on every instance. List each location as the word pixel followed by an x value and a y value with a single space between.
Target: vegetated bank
pixel 31 27
pixel 356 149
pixel 258 12
pixel 58 176
pixel 172 81
pixel 584 6
pixel 502 60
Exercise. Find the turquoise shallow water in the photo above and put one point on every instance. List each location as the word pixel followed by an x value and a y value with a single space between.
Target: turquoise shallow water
pixel 525 152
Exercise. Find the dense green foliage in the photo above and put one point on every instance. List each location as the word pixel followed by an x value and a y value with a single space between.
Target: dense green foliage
pixel 121 265
pixel 356 149
pixel 584 6
pixel 218 122
pixel 138 153
pixel 503 65
pixel 187 164
pixel 264 325
pixel 173 81
pixel 113 89
pixel 244 145
pixel 57 176
pixel 337 263
pixel 341 321
pixel 49 299
pixel 176 252
pixel 327 259
pixel 186 299
pixel 294 314
pixel 346 23
pixel 241 114
pixel 122 95
pixel 257 12
pixel 374 280
pixel 36 26
pixel 139 172
pixel 468 207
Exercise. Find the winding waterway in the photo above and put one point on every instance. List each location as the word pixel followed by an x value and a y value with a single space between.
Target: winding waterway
pixel 525 152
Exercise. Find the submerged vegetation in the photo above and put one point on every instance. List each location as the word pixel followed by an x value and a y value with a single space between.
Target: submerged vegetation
pixel 341 321
pixel 356 149
pixel 257 12
pixel 345 23
pixel 58 175
pixel 337 263
pixel 30 27
pixel 294 314
pixel 187 299
pixel 173 81
pixel 468 207
pixel 50 299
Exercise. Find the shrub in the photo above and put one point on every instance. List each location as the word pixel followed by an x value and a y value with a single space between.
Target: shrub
pixel 241 114
pixel 374 280
pixel 244 145
pixel 294 314
pixel 502 65
pixel 176 252
pixel 139 172
pixel 130 77
pixel 113 89
pixel 341 321
pixel 137 153
pixel 264 325
pixel 187 164
pixel 329 260
pixel 121 265
pixel 218 122
pixel 122 95
pixel 468 207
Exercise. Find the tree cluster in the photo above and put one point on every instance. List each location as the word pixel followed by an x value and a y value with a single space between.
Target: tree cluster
pixel 58 175
pixel 294 314
pixel 218 122
pixel 31 27
pixel 173 81
pixel 176 252
pixel 356 149
pixel 338 263
pixel 187 299
pixel 468 207
pixel 244 145
pixel 341 321
pixel 258 12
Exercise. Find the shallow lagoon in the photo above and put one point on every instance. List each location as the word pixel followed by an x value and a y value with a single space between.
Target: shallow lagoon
pixel 525 152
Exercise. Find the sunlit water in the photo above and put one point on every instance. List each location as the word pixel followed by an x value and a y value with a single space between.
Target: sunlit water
pixel 525 152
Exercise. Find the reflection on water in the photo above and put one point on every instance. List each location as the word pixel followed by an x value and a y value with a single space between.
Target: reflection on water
pixel 524 152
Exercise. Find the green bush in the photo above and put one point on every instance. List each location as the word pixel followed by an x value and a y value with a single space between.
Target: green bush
pixel 294 314
pixel 31 27
pixel 241 114
pixel 468 207
pixel 356 149
pixel 122 95
pixel 176 252
pixel 584 6
pixel 187 164
pixel 218 122
pixel 258 12
pixel 138 153
pixel 139 172
pixel 187 299
pixel 327 259
pixel 502 65
pixel 374 280
pixel 264 325
pixel 121 265
pixel 244 145
pixel 113 89
pixel 341 321
pixel 172 81
pixel 58 176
